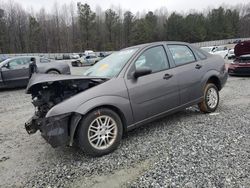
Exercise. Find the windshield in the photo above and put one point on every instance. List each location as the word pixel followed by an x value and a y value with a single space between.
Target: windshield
pixel 111 65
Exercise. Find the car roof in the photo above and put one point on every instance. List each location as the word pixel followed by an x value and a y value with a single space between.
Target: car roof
pixel 17 57
pixel 156 43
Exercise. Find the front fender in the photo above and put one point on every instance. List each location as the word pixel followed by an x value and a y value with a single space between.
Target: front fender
pixel 123 104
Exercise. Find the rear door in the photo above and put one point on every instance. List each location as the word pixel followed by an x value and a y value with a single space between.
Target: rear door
pixel 189 71
pixel 154 93
pixel 16 73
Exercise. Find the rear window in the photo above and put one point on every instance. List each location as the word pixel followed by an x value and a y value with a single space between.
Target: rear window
pixel 44 60
pixel 200 54
pixel 181 54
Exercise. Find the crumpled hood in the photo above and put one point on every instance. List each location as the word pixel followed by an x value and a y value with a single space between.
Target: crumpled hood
pixel 242 48
pixel 38 79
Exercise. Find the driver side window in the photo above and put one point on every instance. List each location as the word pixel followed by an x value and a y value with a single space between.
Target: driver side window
pixel 15 64
pixel 19 63
pixel 154 58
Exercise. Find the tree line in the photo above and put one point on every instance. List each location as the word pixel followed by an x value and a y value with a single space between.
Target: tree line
pixel 75 28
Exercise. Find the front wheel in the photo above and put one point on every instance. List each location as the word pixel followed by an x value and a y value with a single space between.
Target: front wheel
pixel 210 100
pixel 100 132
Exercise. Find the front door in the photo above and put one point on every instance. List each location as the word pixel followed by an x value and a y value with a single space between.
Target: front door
pixel 154 93
pixel 16 72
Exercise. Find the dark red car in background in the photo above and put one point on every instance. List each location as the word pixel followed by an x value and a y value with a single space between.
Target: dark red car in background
pixel 241 65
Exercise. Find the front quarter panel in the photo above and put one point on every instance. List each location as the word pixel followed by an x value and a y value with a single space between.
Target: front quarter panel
pixel 112 92
pixel 118 102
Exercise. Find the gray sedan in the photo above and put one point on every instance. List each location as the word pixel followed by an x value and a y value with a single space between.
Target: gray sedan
pixel 123 91
pixel 15 72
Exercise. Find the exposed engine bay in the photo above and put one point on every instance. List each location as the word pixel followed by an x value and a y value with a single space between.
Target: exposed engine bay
pixel 47 94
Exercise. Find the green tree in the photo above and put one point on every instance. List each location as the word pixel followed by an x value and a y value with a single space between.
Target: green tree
pixel 111 23
pixel 2 32
pixel 34 35
pixel 194 28
pixel 151 27
pixel 87 23
pixel 127 27
pixel 175 27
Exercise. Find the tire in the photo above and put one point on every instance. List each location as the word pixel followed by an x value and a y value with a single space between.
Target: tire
pixel 102 142
pixel 79 64
pixel 73 64
pixel 207 106
pixel 53 72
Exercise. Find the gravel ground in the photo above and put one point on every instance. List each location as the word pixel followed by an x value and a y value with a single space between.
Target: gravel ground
pixel 187 149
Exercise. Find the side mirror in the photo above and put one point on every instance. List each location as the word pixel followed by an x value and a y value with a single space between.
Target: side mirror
pixel 141 72
pixel 7 66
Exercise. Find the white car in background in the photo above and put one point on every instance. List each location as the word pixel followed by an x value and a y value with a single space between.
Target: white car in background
pixel 86 60
pixel 231 54
pixel 74 56
pixel 217 50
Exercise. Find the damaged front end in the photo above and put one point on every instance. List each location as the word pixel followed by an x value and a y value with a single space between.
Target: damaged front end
pixel 48 91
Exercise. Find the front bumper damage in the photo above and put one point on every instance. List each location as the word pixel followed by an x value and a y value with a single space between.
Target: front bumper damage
pixel 54 130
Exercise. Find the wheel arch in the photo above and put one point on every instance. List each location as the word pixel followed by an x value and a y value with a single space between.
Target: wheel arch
pixel 53 69
pixel 216 81
pixel 74 127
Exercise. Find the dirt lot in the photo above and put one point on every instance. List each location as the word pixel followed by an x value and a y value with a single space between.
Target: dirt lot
pixel 188 149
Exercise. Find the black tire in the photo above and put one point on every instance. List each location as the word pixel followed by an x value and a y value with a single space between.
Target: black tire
pixel 79 64
pixel 53 72
pixel 83 132
pixel 73 64
pixel 204 106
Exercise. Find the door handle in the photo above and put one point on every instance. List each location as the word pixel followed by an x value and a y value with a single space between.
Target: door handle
pixel 198 66
pixel 167 76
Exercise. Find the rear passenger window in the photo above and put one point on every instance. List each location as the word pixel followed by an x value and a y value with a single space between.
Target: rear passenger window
pixel 181 54
pixel 200 54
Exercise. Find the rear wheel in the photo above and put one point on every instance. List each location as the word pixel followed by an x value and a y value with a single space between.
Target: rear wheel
pixel 210 100
pixel 100 132
pixel 53 72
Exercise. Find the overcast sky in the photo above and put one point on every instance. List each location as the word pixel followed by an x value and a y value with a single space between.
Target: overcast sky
pixel 135 5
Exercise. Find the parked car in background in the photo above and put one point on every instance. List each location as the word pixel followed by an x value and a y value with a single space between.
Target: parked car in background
pixel 241 64
pixel 123 91
pixel 237 41
pixel 104 54
pixel 59 57
pixel 209 49
pixel 15 72
pixel 74 56
pixel 221 50
pixel 66 56
pixel 217 50
pixel 88 60
pixel 231 54
pixel 88 52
